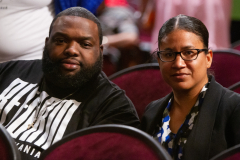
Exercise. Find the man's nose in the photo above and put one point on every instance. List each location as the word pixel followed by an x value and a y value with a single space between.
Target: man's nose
pixel 72 49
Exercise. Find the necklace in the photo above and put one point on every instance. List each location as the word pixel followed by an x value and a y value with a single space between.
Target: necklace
pixel 38 112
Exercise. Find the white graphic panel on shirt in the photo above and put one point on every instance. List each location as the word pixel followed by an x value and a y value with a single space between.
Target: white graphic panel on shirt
pixel 50 125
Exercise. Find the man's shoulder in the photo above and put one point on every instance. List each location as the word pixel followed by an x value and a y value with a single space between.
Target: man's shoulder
pixel 26 70
pixel 21 63
pixel 105 82
pixel 108 104
pixel 104 91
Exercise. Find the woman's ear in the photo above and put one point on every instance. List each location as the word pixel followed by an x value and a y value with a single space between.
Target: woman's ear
pixel 209 58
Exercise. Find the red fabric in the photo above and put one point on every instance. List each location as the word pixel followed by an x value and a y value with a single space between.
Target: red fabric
pixel 237 47
pixel 237 90
pixel 226 68
pixel 108 67
pixel 233 157
pixel 103 146
pixel 4 154
pixel 142 87
pixel 114 3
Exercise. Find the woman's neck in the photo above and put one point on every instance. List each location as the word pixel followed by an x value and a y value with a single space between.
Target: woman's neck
pixel 185 99
pixel 182 104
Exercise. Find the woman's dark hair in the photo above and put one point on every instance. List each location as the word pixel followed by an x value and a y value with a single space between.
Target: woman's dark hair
pixel 189 24
pixel 186 23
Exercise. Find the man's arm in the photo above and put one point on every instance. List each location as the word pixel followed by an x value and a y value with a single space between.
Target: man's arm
pixel 116 109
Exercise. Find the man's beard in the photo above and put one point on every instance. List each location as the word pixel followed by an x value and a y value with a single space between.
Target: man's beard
pixel 53 73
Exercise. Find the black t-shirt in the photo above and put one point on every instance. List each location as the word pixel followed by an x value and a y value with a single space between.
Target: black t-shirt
pixel 22 99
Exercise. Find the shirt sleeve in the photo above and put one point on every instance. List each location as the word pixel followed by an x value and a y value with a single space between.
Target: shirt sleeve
pixel 117 109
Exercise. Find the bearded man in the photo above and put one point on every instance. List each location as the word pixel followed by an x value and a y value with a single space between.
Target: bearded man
pixel 41 101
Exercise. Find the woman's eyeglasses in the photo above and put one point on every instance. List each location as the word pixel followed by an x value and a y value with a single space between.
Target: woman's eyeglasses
pixel 187 55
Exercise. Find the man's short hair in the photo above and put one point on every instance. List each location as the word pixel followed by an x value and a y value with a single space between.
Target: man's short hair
pixel 79 12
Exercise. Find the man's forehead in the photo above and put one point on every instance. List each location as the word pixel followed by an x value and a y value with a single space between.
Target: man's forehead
pixel 73 22
pixel 80 25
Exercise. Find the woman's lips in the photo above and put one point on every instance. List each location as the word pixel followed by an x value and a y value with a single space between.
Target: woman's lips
pixel 180 75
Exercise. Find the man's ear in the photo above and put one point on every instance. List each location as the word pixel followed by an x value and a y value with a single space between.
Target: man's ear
pixel 46 40
pixel 101 49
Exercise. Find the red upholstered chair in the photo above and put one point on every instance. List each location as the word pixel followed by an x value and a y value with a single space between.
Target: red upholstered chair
pixel 226 66
pixel 229 154
pixel 8 148
pixel 236 45
pixel 235 87
pixel 106 142
pixel 142 84
pixel 108 67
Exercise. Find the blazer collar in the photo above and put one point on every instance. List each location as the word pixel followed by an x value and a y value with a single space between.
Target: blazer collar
pixel 150 121
pixel 200 136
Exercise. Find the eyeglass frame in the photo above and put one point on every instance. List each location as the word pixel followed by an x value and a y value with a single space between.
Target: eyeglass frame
pixel 176 53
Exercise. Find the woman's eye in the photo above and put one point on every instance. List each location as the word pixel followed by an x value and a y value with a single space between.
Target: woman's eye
pixel 189 52
pixel 168 54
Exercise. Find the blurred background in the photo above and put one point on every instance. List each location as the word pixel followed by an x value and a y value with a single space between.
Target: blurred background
pixel 130 27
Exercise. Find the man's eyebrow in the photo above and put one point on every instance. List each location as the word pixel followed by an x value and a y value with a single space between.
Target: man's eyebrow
pixel 86 38
pixel 59 34
pixel 79 38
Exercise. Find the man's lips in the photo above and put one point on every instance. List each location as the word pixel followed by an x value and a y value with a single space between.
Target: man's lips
pixel 70 64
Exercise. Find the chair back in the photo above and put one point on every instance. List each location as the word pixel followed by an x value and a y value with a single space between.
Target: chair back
pixel 106 142
pixel 236 45
pixel 232 153
pixel 226 65
pixel 8 148
pixel 142 84
pixel 235 87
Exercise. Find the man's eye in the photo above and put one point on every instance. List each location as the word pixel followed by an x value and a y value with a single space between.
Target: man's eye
pixel 59 41
pixel 86 44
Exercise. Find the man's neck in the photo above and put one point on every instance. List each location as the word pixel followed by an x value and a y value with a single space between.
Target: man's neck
pixel 55 90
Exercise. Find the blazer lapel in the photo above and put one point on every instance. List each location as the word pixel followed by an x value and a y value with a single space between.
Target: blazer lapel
pixel 154 114
pixel 198 143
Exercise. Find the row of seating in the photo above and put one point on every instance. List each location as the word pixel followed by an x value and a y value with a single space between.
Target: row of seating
pixel 103 142
pixel 143 84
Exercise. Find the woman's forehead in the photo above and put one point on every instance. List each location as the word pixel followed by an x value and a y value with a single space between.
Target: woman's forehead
pixel 181 38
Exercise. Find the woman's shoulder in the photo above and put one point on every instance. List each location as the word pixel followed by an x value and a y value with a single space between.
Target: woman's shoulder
pixel 225 98
pixel 225 92
pixel 157 105
pixel 230 96
pixel 153 113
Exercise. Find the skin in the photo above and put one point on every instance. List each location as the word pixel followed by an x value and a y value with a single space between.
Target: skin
pixel 74 42
pixel 186 78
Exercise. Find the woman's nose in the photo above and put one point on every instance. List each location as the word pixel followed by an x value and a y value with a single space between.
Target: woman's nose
pixel 179 62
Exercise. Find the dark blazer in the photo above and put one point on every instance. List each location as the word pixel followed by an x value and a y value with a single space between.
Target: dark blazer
pixel 217 126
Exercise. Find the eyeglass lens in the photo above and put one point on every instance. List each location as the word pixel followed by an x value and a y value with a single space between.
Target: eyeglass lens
pixel 186 55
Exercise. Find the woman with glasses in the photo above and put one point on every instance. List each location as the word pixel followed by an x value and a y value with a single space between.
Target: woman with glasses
pixel 200 118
